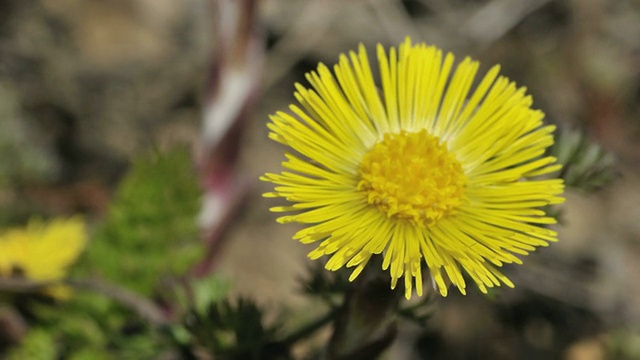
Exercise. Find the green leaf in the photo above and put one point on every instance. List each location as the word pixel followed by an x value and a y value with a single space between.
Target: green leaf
pixel 150 231
pixel 38 344
pixel 587 166
pixel 234 331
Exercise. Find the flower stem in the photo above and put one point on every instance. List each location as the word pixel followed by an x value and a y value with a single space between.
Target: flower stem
pixel 310 328
pixel 366 325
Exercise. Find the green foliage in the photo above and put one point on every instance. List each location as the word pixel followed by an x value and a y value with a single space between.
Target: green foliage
pixel 328 286
pixel 587 166
pixel 624 344
pixel 198 294
pixel 94 326
pixel 223 329
pixel 38 344
pixel 148 235
pixel 232 331
pixel 150 229
pixel 91 326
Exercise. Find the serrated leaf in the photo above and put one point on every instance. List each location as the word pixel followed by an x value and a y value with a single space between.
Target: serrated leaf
pixel 150 230
pixel 587 166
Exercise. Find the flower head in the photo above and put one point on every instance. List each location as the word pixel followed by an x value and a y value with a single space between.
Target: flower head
pixel 417 169
pixel 41 251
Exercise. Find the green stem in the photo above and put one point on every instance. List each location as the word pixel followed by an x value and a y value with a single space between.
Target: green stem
pixel 366 325
pixel 309 328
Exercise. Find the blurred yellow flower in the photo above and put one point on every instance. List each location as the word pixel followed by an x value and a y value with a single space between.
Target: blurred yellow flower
pixel 418 168
pixel 42 252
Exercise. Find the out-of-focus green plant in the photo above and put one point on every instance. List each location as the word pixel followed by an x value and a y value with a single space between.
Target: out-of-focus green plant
pixel 150 230
pixel 148 236
pixel 91 326
pixel 38 344
pixel 624 344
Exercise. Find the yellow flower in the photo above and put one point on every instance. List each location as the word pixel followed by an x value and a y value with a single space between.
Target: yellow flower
pixel 42 252
pixel 423 168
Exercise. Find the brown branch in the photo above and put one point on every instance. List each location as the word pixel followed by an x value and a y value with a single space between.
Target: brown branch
pixel 23 285
pixel 144 307
pixel 138 303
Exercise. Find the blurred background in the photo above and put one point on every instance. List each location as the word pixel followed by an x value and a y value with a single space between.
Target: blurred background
pixel 87 86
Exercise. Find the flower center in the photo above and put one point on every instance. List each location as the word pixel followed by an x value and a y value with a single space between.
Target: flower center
pixel 411 175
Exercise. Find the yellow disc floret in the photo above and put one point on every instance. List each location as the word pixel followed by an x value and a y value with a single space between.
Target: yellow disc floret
pixel 412 175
